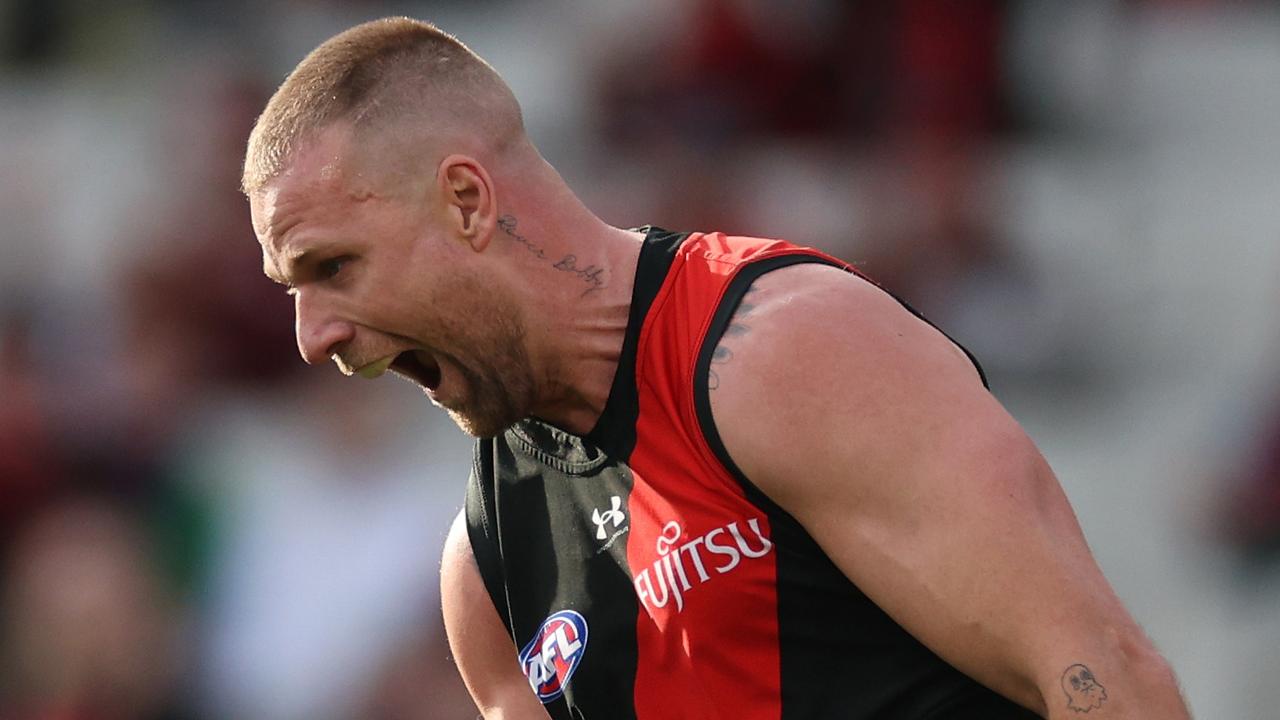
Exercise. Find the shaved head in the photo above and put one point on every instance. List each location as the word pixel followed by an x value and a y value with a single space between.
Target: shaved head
pixel 400 85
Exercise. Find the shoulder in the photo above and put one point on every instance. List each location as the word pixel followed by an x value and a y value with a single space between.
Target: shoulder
pixel 814 350
pixel 830 389
pixel 822 307
pixel 875 432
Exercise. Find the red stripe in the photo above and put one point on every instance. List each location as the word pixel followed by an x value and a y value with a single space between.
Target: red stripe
pixel 703 567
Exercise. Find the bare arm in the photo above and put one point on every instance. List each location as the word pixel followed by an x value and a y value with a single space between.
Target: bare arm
pixel 927 495
pixel 483 650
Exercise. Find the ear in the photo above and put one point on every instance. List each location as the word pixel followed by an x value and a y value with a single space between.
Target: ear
pixel 469 202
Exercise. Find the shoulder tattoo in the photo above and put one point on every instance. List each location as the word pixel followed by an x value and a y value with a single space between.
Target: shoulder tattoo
pixel 736 329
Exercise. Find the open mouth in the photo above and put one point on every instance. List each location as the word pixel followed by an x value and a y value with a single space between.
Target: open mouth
pixel 419 366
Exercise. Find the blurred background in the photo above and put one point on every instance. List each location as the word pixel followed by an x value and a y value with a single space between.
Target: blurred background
pixel 193 524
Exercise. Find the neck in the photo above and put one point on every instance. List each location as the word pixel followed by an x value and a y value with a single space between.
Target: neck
pixel 578 273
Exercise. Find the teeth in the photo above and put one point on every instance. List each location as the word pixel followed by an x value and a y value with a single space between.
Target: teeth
pixel 375 369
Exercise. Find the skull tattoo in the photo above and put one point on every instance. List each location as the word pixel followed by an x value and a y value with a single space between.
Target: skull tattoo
pixel 1084 693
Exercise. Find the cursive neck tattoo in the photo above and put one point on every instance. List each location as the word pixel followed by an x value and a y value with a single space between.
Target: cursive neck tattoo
pixel 592 275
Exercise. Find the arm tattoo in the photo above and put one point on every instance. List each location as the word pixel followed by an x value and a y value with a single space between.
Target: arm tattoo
pixel 592 275
pixel 1084 692
pixel 723 354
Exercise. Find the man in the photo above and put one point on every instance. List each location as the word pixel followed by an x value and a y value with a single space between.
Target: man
pixel 716 477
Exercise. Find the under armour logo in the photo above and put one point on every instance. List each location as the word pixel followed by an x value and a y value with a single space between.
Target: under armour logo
pixel 613 514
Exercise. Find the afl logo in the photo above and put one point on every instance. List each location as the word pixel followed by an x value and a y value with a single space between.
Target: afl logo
pixel 554 653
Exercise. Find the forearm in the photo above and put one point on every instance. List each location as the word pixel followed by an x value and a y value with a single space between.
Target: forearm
pixel 1136 684
pixel 514 708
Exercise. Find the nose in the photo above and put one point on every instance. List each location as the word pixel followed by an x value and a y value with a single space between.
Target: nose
pixel 320 335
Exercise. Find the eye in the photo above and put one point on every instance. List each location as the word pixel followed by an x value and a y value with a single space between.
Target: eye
pixel 327 269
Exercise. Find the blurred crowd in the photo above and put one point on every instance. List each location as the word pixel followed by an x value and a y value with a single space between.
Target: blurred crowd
pixel 193 524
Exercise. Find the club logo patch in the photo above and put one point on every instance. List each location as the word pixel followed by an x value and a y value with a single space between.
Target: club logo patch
pixel 554 653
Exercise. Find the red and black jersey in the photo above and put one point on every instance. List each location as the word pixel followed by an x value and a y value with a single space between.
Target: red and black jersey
pixel 641 575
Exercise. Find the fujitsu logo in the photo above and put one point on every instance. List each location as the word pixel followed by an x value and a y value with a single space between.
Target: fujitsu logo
pixel 681 568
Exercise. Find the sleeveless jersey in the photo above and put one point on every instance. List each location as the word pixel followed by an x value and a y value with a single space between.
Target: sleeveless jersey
pixel 641 575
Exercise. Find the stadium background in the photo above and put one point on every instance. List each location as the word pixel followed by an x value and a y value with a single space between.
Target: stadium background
pixel 195 525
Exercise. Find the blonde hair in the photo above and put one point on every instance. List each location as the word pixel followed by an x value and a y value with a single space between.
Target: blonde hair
pixel 376 73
